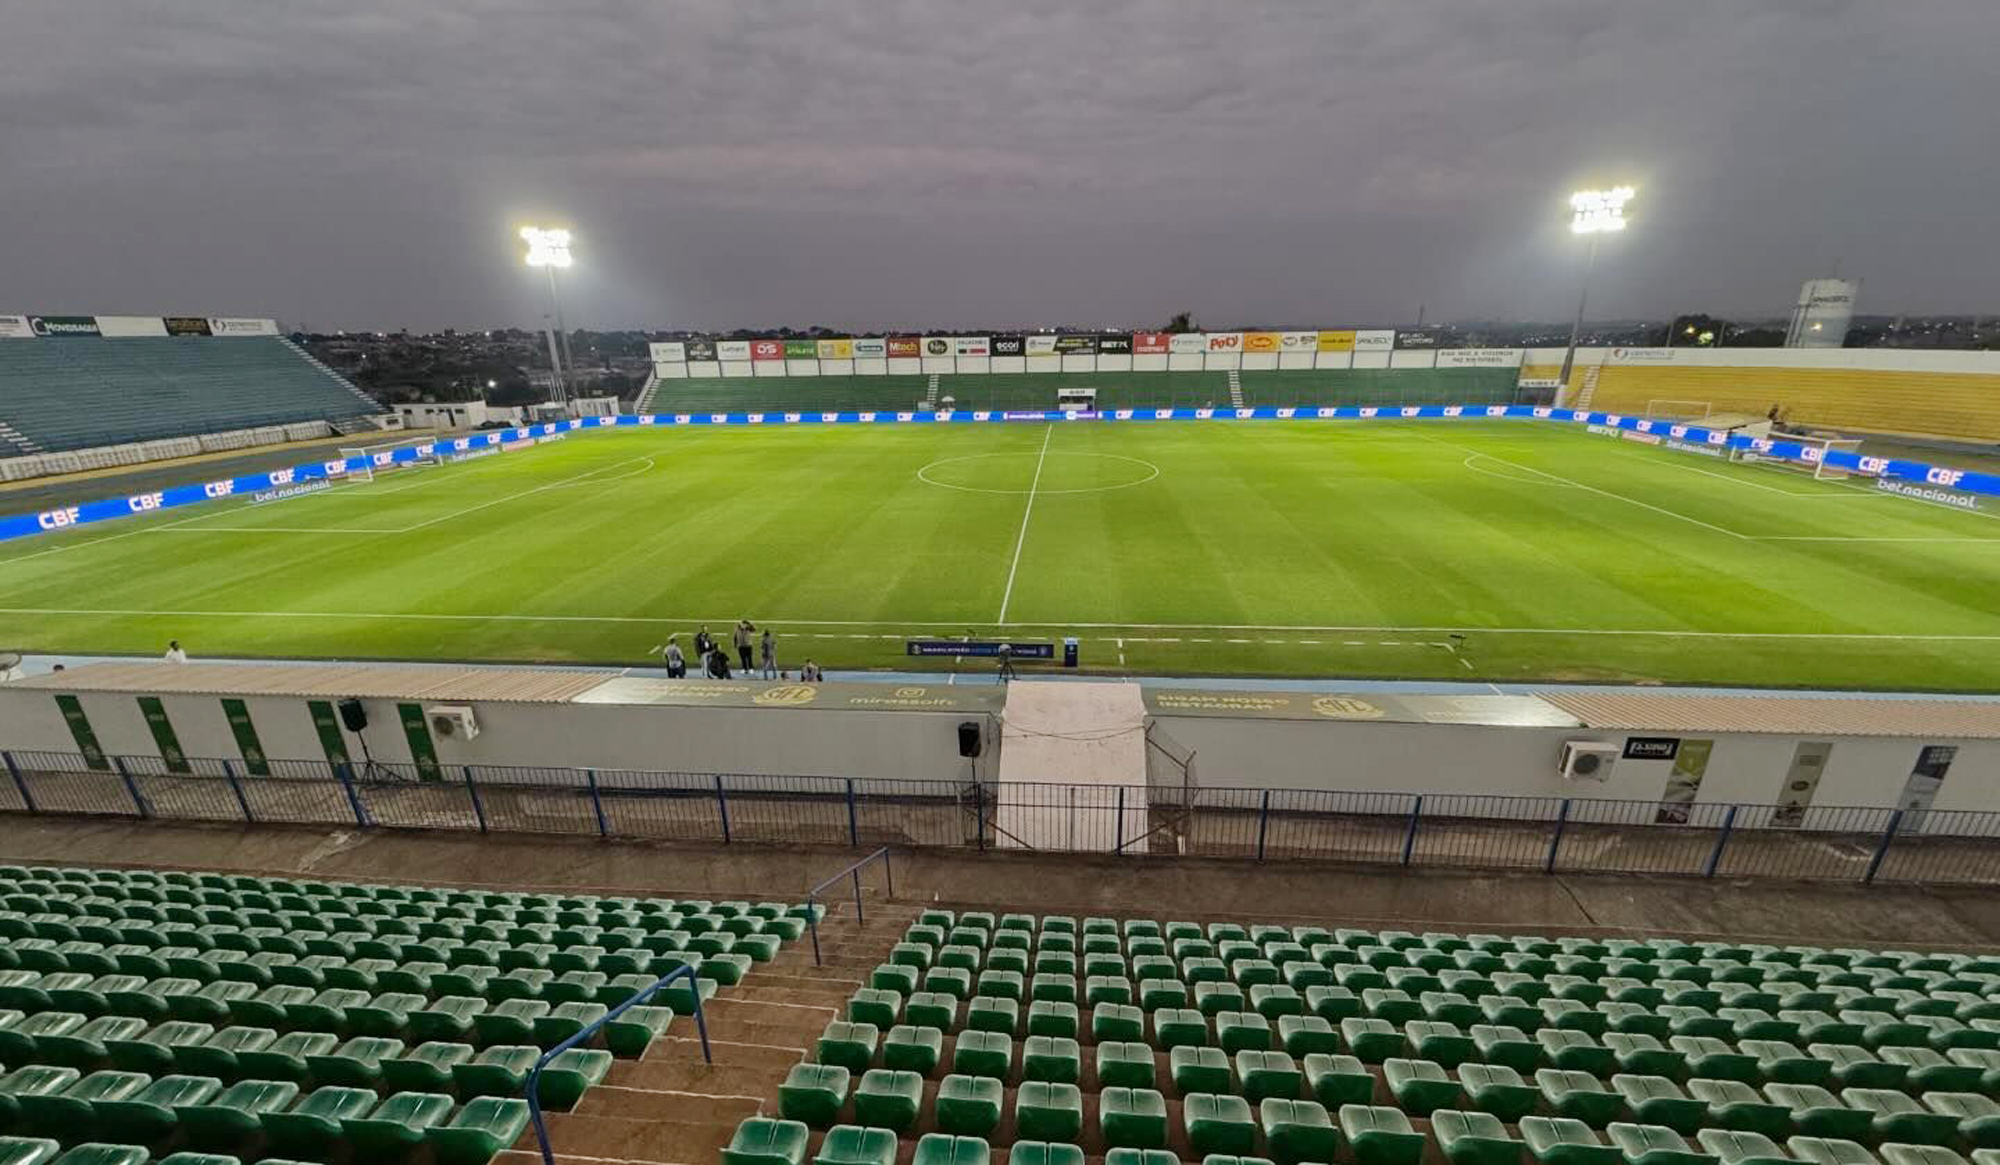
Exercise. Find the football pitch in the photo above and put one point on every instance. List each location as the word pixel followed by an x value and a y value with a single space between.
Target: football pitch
pixel 1460 550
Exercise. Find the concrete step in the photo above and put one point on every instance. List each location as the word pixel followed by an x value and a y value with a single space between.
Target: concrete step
pixel 674 1051
pixel 653 1104
pixel 728 1076
pixel 649 1142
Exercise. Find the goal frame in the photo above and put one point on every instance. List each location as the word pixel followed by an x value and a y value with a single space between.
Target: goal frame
pixel 369 458
pixel 1817 464
pixel 1654 411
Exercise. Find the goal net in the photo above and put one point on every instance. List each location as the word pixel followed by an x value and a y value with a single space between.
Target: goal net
pixel 1812 456
pixel 408 453
pixel 1677 410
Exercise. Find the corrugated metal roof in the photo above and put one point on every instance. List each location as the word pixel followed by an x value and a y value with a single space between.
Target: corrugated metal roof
pixel 437 682
pixel 1782 715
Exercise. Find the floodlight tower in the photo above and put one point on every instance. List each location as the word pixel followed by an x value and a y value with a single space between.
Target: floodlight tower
pixel 548 248
pixel 1592 213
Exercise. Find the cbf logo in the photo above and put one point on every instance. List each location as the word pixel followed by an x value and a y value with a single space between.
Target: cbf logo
pixel 981 415
pixel 384 458
pixel 1944 476
pixel 829 418
pixel 1163 414
pixel 1454 410
pixel 1873 466
pixel 1545 413
pixel 1496 410
pixel 683 419
pixel 1645 426
pixel 1286 414
pixel 793 418
pixel 1245 414
pixel 1411 410
pixel 1122 414
pixel 1678 431
pixel 219 489
pixel 1326 412
pixel 58 519
pixel 904 417
pixel 1614 419
pixel 1808 453
pixel 944 414
pixel 462 444
pixel 1368 411
pixel 756 418
pixel 144 502
pixel 282 476
pixel 1203 414
pixel 718 418
pixel 334 468
pixel 648 419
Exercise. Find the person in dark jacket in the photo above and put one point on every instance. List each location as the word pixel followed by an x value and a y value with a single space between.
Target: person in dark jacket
pixel 703 643
pixel 718 665
pixel 746 638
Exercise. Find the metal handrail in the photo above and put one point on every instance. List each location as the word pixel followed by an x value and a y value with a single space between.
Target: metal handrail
pixel 812 909
pixel 534 1088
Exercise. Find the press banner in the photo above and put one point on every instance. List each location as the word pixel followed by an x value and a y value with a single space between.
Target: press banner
pixel 673 352
pixel 728 350
pixel 1298 341
pixel 1150 343
pixel 125 326
pixel 164 737
pixel 81 732
pixel 904 346
pixel 1187 343
pixel 1010 345
pixel 1417 338
pixel 1684 783
pixel 1041 345
pixel 836 349
pixel 761 350
pixel 1225 341
pixel 423 750
pixel 1337 341
pixel 15 328
pixel 1075 345
pixel 1374 340
pixel 327 725
pixel 801 350
pixel 244 730
pixel 63 325
pixel 239 326
pixel 1801 781
pixel 704 351
pixel 939 345
pixel 1114 345
pixel 1262 341
pixel 972 346
pixel 186 325
pixel 870 348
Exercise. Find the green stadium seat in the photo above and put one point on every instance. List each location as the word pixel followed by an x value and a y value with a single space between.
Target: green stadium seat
pixel 237 1113
pixel 495 1071
pixel 397 1125
pixel 1852 1066
pixel 152 1113
pixel 1439 1041
pixel 1657 1100
pixel 1333 1004
pixel 1929 1071
pixel 29 1082
pixel 1134 1118
pixel 1817 1113
pixel 632 1032
pixel 1565 1141
pixel 1579 1096
pixel 1977 1115
pixel 1056 1058
pixel 978 1053
pixel 571 1074
pixel 853 1145
pixel 1124 1065
pixel 1654 1145
pixel 1100 989
pixel 953 981
pixel 1380 1135
pixel 1733 1104
pixel 1304 1035
pixel 1218 1123
pixel 478 1132
pixel 849 1045
pixel 1711 1059
pixel 1894 1116
pixel 1497 1089
pixel 1506 1044
pixel 814 1094
pixel 1173 1027
pixel 61 1113
pixel 1339 1080
pixel 1780 1061
pixel 1162 994
pixel 313 1126
pixel 1474 1138
pixel 887 1099
pixel 1920 1155
pixel 1420 1086
pixel 1634 1019
pixel 1739 1148
pixel 944 1149
pixel 1008 985
pixel 1200 1070
pixel 993 1013
pixel 1048 1111
pixel 1296 1131
pixel 1576 1051
pixel 1372 1040
pixel 1262 1075
pixel 1214 998
pixel 932 1009
pixel 969 1105
pixel 96 1153
pixel 20 1041
pixel 28 1150
pixel 913 1049
pixel 762 1141
pixel 85 1045
pixel 1829 1151
pixel 1051 1017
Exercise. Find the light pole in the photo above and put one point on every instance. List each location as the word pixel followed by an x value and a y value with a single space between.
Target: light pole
pixel 549 250
pixel 1592 213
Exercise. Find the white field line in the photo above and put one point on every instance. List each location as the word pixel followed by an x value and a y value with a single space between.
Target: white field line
pixel 1855 538
pixel 1007 596
pixel 1556 477
pixel 650 463
pixel 1313 629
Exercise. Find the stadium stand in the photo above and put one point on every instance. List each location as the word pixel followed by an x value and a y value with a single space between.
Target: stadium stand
pixel 1936 404
pixel 78 393
pixel 1053 1040
pixel 149 1013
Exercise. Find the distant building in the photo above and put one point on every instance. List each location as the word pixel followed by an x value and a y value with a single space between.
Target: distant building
pixel 1824 310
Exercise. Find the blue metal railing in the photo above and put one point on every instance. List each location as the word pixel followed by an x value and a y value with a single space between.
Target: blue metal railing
pixel 535 1074
pixel 853 871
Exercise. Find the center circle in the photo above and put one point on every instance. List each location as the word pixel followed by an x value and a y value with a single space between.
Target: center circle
pixel 1016 473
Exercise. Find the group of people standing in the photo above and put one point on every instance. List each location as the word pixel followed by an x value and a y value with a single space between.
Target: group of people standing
pixel 751 649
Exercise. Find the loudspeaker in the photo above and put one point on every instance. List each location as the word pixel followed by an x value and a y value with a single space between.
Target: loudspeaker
pixel 968 738
pixel 353 715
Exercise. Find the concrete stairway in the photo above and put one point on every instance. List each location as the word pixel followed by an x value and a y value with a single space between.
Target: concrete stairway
pixel 670 1108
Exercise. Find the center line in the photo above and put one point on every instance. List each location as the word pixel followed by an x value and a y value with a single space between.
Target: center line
pixel 1022 540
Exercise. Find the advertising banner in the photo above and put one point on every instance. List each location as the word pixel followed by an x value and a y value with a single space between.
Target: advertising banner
pixel 131 326
pixel 1114 345
pixel 1009 346
pixel 801 350
pixel 1479 358
pixel 939 345
pixel 1374 340
pixel 81 732
pixel 1298 341
pixel 164 737
pixel 1150 343
pixel 972 346
pixel 327 726
pixel 63 325
pixel 1801 781
pixel 423 750
pixel 1262 341
pixel 761 350
pixel 1076 345
pixel 1684 783
pixel 238 326
pixel 668 353
pixel 1041 345
pixel 870 348
pixel 185 325
pixel 16 328
pixel 244 730
pixel 1188 342
pixel 1642 355
pixel 836 349
pixel 1225 341
pixel 732 350
pixel 1920 790
pixel 1417 338
pixel 1337 341
pixel 904 346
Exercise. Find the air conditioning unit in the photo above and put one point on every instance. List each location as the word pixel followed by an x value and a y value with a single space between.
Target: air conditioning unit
pixel 1586 760
pixel 453 720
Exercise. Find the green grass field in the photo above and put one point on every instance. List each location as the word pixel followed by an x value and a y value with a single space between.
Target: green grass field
pixel 1296 549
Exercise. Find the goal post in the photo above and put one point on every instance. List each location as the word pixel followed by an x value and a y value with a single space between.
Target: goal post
pixel 409 453
pixel 1812 455
pixel 1677 410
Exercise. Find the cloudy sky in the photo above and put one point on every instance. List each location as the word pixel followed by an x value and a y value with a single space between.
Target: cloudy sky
pixel 1010 162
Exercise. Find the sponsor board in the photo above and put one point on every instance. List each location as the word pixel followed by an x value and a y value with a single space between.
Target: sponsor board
pixel 127 326
pixel 63 325
pixel 1114 345
pixel 1188 342
pixel 986 648
pixel 1417 338
pixel 1076 345
pixel 1262 341
pixel 285 493
pixel 1652 747
pixel 835 349
pixel 1298 341
pixel 939 346
pixel 733 350
pixel 798 350
pixel 452 458
pixel 1150 343
pixel 1041 345
pixel 1027 416
pixel 671 352
pixel 1641 438
pixel 1340 340
pixel 1957 499
pixel 16 328
pixel 972 346
pixel 1642 355
pixel 1010 346
pixel 764 350
pixel 1224 341
pixel 870 348
pixel 898 346
pixel 706 350
pixel 1690 447
pixel 1374 340
pixel 240 326
pixel 1479 358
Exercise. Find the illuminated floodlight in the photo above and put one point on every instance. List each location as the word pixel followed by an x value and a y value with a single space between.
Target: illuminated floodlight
pixel 1595 212
pixel 547 248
